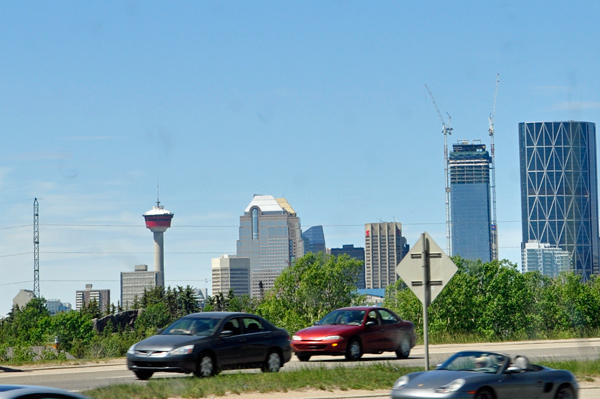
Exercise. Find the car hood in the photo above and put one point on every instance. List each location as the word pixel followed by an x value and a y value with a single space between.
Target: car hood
pixel 317 332
pixel 436 378
pixel 167 342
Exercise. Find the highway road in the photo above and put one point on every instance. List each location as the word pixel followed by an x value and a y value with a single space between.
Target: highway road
pixel 78 378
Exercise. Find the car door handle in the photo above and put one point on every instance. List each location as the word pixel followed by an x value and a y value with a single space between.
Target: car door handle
pixel 243 340
pixel 383 330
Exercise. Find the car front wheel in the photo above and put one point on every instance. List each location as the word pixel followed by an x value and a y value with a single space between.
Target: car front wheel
pixel 206 366
pixel 303 357
pixel 484 394
pixel 354 350
pixel 565 392
pixel 143 374
pixel 272 364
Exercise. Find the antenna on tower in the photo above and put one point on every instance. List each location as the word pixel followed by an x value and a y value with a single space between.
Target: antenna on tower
pixel 446 130
pixel 493 182
pixel 36 249
pixel 157 197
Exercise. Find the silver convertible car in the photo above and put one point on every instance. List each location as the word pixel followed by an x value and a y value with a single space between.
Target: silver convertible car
pixel 487 375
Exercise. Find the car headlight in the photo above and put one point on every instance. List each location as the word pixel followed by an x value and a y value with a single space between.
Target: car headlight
pixel 182 350
pixel 451 387
pixel 332 337
pixel 296 338
pixel 400 382
pixel 131 350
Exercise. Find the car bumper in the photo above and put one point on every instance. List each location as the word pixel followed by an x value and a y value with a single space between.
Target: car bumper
pixel 176 364
pixel 320 347
pixel 428 394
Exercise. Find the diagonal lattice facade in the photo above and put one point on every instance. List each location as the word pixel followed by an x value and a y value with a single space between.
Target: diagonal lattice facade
pixel 559 189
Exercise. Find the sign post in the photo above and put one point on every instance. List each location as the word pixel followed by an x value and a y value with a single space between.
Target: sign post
pixel 427 266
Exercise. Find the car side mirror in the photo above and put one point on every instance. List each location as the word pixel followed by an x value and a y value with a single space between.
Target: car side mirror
pixel 370 323
pixel 160 330
pixel 226 333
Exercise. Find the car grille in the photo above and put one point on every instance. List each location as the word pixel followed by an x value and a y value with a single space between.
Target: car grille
pixel 309 346
pixel 151 353
pixel 149 364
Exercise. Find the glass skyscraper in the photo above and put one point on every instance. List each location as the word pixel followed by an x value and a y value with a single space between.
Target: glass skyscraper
pixel 469 165
pixel 316 239
pixel 559 189
pixel 271 237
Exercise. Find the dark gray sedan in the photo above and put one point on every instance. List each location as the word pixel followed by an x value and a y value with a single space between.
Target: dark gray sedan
pixel 487 375
pixel 205 343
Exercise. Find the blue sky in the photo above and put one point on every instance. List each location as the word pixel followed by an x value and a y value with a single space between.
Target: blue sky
pixel 321 102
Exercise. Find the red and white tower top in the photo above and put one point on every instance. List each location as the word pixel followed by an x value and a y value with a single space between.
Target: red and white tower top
pixel 158 219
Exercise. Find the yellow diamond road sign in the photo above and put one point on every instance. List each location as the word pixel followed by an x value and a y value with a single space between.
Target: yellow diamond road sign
pixel 441 268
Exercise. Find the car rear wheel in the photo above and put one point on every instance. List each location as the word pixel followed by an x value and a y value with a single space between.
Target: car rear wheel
pixel 404 349
pixel 272 364
pixel 206 366
pixel 143 374
pixel 565 392
pixel 354 350
pixel 303 357
pixel 484 394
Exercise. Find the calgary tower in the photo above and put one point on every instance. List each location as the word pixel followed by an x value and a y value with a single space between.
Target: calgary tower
pixel 158 220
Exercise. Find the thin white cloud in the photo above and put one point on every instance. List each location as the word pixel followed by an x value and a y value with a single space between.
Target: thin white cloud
pixel 575 105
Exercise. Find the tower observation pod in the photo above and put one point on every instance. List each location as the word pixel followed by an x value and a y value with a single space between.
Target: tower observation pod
pixel 158 220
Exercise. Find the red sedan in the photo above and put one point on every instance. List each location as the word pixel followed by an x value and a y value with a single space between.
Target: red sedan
pixel 356 330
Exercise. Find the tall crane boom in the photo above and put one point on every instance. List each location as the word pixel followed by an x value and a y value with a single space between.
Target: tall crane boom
pixel 493 181
pixel 446 130
pixel 36 248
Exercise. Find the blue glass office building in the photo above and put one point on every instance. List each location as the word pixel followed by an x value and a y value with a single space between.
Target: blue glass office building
pixel 469 165
pixel 315 238
pixel 559 189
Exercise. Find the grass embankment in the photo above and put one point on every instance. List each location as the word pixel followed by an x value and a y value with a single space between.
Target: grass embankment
pixel 367 377
pixel 375 376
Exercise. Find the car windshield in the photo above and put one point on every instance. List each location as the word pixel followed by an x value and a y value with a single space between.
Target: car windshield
pixel 341 316
pixel 190 326
pixel 480 362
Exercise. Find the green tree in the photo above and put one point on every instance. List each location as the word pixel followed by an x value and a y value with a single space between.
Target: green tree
pixel 310 288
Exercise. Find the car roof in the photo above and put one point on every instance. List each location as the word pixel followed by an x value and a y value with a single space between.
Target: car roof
pixel 10 391
pixel 219 315
pixel 362 308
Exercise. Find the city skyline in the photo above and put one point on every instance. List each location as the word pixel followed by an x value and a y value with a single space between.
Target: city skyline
pixel 320 103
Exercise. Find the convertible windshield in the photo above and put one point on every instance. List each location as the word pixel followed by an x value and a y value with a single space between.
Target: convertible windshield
pixel 481 362
pixel 340 316
pixel 200 327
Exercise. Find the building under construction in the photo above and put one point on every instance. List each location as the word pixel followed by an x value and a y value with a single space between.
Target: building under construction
pixel 469 167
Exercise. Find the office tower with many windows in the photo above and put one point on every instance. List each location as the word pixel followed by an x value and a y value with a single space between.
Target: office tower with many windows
pixel 544 258
pixel 270 235
pixel 133 284
pixel 469 166
pixel 559 189
pixel 357 253
pixel 101 297
pixel 315 238
pixel 384 249
pixel 231 272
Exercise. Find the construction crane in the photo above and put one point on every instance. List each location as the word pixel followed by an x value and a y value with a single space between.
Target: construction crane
pixel 446 130
pixel 36 249
pixel 493 181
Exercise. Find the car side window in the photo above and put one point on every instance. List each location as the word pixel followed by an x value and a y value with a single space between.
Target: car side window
pixel 232 325
pixel 387 317
pixel 372 316
pixel 252 325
